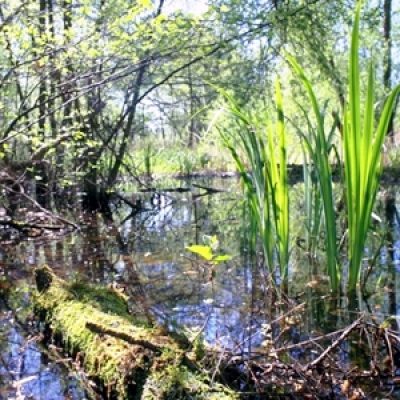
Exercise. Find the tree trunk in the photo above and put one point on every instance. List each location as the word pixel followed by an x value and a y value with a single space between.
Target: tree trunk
pixel 131 113
pixel 41 171
pixel 42 85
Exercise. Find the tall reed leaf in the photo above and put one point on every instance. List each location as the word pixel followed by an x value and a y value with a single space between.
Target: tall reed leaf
pixel 279 183
pixel 267 184
pixel 312 204
pixel 362 145
pixel 318 147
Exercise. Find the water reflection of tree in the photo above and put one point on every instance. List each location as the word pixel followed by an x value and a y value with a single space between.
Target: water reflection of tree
pixel 393 221
pixel 25 370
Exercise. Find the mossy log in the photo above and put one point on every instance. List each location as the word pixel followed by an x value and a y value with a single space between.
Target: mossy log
pixel 130 359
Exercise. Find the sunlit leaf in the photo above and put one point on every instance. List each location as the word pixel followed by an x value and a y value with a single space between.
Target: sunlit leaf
pixel 222 258
pixel 203 251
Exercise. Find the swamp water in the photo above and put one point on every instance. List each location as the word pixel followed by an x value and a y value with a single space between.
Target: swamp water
pixel 143 253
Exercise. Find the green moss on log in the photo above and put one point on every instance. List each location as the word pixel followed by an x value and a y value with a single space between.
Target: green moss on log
pixel 172 380
pixel 131 359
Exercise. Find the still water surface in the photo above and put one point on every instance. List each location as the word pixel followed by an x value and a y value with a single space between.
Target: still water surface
pixel 144 254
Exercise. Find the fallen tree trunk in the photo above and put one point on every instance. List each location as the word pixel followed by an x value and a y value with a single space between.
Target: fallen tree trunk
pixel 130 359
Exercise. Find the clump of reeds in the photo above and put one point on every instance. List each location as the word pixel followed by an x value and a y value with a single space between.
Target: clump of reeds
pixel 362 146
pixel 317 145
pixel 267 186
pixel 362 142
pixel 253 148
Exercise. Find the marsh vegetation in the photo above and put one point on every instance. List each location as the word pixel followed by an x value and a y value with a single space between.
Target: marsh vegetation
pixel 199 200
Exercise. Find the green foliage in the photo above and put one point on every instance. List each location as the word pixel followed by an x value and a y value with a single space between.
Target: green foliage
pixel 175 158
pixel 203 251
pixel 266 185
pixel 312 204
pixel 362 145
pixel 148 155
pixel 317 145
pixel 207 251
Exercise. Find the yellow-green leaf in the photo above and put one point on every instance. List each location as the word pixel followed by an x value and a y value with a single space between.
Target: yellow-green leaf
pixel 203 251
pixel 222 258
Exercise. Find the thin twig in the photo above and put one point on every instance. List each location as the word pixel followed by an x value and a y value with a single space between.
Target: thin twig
pixel 335 344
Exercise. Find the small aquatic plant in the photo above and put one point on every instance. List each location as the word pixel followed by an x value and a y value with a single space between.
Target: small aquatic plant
pixel 253 146
pixel 207 251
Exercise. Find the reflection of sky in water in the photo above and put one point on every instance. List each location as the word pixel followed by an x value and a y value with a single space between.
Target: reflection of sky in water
pixel 168 216
pixel 220 310
pixel 25 375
